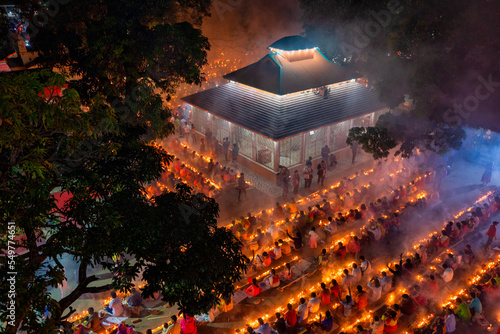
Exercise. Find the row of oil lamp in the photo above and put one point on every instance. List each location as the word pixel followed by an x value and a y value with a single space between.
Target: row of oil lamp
pixel 343 239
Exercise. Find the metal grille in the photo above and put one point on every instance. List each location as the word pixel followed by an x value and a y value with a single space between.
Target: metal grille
pixel 265 151
pixel 315 140
pixel 290 151
pixel 220 128
pixel 338 135
pixel 377 115
pixel 200 120
pixel 364 120
pixel 243 138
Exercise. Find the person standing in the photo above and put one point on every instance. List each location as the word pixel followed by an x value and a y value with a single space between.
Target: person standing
pixel 225 147
pixel 208 136
pixel 284 185
pixel 242 186
pixel 236 151
pixel 492 234
pixel 202 146
pixel 296 182
pixel 308 174
pixel 215 147
pixel 193 134
pixel 325 152
pixel 486 178
pixel 354 149
pixel 333 160
pixel 321 172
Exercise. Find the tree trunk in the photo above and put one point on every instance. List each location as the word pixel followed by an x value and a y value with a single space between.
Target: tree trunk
pixel 82 288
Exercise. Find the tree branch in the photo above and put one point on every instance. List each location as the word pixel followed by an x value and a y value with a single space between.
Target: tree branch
pixel 71 311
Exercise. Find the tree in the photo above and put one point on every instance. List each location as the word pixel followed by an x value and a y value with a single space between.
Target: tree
pixel 435 54
pixel 183 254
pixel 39 130
pixel 407 132
pixel 113 45
pixel 6 46
pixel 94 143
pixel 51 144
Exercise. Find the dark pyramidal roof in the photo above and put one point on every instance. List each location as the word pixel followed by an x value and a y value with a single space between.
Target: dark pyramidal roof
pixel 291 43
pixel 280 74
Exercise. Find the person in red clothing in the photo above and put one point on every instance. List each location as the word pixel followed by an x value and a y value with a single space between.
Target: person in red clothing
pixel 390 321
pixel 290 316
pixel 361 298
pixel 444 240
pixel 492 288
pixel 254 289
pixel 341 251
pixel 492 234
pixel 431 288
pixel 265 259
pixel 335 290
pixel 354 246
pixel 188 325
pixel 324 295
pixel 408 305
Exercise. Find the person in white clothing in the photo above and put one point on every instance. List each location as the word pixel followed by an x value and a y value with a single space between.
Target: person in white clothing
pixel 313 238
pixel 447 275
pixel 348 279
pixel 115 307
pixel 302 311
pixel 377 325
pixel 332 226
pixel 366 266
pixel 274 231
pixel 314 303
pixel 377 232
pixel 276 254
pixel 356 273
pixel 376 290
pixel 385 282
pixel 450 321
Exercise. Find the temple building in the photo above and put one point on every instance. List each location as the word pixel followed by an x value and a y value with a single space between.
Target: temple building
pixel 286 107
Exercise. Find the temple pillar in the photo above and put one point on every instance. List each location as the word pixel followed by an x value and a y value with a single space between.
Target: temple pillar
pixel 328 133
pixel 276 156
pixel 303 149
pixel 254 147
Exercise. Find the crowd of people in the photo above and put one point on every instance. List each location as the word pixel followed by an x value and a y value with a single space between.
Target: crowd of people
pixel 370 208
pixel 401 274
pixel 303 224
pixel 423 291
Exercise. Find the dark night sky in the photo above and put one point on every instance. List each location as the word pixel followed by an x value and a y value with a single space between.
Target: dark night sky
pixel 250 25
